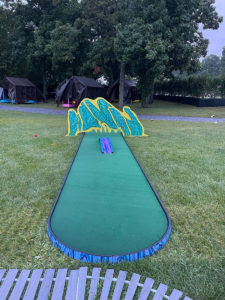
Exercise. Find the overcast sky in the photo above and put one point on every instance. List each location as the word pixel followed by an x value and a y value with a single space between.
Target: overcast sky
pixel 217 37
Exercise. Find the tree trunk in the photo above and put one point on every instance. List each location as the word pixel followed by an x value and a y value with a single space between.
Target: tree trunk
pixel 121 87
pixel 149 98
pixel 147 92
pixel 44 82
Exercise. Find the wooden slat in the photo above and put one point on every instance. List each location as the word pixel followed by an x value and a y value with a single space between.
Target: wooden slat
pixel 71 293
pixel 46 284
pixel 82 283
pixel 107 284
pixel 175 295
pixel 76 285
pixel 146 289
pixel 7 284
pixel 20 284
pixel 33 285
pixel 2 272
pixel 161 291
pixel 94 283
pixel 60 280
pixel 119 285
pixel 132 286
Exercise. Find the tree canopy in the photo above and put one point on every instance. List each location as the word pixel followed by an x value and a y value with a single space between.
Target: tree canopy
pixel 48 40
pixel 211 65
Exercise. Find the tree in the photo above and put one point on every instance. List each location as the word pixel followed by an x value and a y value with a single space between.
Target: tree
pixel 152 38
pixel 211 65
pixel 14 37
pixel 223 62
pixel 172 40
pixel 147 39
pixel 34 36
pixel 101 18
pixel 141 46
pixel 5 41
pixel 69 47
pixel 47 15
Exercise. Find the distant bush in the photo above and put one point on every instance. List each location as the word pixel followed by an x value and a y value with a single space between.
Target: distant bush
pixel 203 86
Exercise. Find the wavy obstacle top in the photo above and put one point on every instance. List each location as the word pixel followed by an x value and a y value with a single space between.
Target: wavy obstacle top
pixel 100 115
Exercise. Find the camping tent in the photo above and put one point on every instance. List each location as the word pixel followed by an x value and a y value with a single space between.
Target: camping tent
pixel 21 90
pixel 76 88
pixel 130 91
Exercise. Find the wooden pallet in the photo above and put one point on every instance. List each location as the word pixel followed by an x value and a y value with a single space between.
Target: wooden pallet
pixel 78 285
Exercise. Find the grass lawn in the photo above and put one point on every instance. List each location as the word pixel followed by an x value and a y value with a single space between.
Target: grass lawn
pixel 185 164
pixel 157 108
pixel 178 109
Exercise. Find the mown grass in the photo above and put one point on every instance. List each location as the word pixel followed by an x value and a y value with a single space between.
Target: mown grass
pixel 185 163
pixel 178 109
pixel 157 108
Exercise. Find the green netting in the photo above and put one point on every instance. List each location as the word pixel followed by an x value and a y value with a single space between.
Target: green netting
pixel 107 206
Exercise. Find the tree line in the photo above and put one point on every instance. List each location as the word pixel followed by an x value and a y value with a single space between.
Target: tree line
pixel 208 82
pixel 203 86
pixel 50 40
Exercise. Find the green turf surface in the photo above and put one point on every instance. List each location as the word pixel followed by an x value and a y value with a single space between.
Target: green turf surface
pixel 107 206
pixel 183 160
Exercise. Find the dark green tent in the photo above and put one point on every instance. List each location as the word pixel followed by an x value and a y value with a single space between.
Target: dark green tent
pixel 21 90
pixel 130 91
pixel 77 88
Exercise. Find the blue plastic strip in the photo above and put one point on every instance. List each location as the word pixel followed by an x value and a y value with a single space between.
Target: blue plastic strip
pixel 91 258
pixel 110 143
pixel 100 139
pixel 104 147
pixel 31 102
pixel 5 101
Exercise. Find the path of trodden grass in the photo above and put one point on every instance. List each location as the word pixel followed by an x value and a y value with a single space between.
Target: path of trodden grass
pixel 107 209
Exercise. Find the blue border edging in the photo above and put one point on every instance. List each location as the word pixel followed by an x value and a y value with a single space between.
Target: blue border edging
pixel 91 258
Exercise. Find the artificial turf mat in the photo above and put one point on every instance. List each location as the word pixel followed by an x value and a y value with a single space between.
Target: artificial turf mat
pixel 106 206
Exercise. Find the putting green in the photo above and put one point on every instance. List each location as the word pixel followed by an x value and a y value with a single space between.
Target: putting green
pixel 107 207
